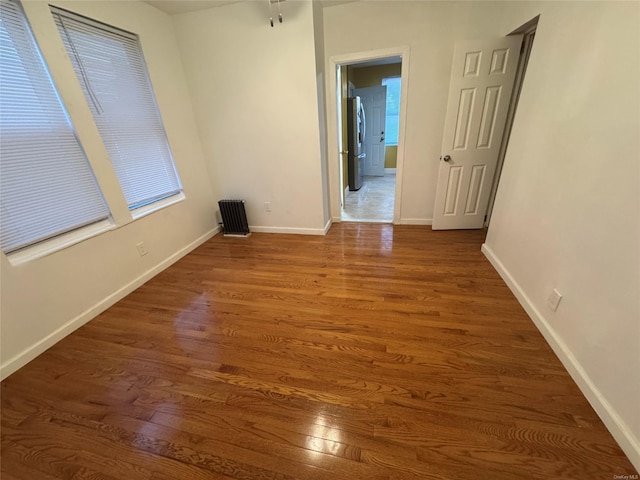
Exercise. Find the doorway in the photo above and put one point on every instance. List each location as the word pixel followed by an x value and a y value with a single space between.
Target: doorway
pixel 378 198
pixel 378 85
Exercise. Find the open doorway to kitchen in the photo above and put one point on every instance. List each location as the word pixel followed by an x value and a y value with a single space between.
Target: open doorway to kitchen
pixel 368 184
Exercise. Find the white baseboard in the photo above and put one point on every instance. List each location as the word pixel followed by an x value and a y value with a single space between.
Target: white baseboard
pixel 389 171
pixel 24 357
pixel 618 428
pixel 328 225
pixel 414 221
pixel 293 230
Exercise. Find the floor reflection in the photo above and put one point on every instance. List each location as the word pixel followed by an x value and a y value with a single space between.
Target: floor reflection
pixel 323 438
pixel 365 237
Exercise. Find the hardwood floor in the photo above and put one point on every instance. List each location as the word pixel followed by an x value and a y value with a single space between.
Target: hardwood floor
pixel 375 352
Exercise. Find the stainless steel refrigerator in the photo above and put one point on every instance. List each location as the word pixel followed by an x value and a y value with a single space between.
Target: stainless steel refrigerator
pixel 355 141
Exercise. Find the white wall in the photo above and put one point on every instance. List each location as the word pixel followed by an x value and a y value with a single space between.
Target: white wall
pixel 567 212
pixel 255 99
pixel 45 299
pixel 318 38
pixel 430 30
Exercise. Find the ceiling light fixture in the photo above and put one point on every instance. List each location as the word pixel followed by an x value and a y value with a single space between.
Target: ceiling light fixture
pixel 271 12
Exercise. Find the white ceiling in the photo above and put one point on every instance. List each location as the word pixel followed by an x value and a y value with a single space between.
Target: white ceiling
pixel 173 7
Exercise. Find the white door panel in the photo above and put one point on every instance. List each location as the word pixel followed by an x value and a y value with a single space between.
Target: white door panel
pixel 374 100
pixel 482 79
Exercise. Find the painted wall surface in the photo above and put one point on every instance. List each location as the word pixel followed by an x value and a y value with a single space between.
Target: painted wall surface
pixel 567 211
pixel 44 299
pixel 363 77
pixel 390 156
pixel 430 29
pixel 255 96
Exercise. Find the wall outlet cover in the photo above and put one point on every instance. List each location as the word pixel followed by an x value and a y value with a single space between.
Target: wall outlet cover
pixel 554 299
pixel 142 249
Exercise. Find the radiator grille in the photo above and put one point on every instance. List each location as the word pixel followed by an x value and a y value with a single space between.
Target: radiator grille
pixel 234 217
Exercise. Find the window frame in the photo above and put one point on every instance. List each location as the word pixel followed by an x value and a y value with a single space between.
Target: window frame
pixel 165 161
pixel 34 75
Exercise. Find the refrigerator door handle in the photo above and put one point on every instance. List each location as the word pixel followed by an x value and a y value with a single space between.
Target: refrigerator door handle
pixel 364 123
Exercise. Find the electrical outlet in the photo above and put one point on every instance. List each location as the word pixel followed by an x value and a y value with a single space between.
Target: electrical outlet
pixel 554 299
pixel 142 249
pixel 267 206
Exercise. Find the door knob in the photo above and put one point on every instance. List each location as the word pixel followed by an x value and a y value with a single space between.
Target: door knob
pixel 446 158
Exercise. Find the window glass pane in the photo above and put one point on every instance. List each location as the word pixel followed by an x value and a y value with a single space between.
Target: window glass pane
pixel 113 75
pixel 393 109
pixel 46 184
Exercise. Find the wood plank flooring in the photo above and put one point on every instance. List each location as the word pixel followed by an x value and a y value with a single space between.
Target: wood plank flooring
pixel 375 352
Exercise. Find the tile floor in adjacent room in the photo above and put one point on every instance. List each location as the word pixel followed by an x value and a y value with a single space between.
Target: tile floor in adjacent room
pixel 374 201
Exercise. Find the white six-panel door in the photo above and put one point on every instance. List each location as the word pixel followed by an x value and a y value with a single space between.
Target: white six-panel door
pixel 482 79
pixel 374 100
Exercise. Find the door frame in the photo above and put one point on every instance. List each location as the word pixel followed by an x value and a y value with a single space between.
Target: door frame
pixel 334 160
pixel 341 151
pixel 528 32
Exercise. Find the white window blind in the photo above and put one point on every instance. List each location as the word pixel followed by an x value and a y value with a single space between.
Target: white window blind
pixel 46 184
pixel 111 69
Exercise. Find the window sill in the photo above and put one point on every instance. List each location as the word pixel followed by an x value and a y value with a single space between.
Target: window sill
pixel 74 237
pixel 155 206
pixel 58 243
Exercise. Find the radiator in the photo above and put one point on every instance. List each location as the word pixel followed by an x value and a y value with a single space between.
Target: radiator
pixel 234 217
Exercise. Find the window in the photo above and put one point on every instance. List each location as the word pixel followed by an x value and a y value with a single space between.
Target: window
pixel 47 187
pixel 393 109
pixel 110 67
